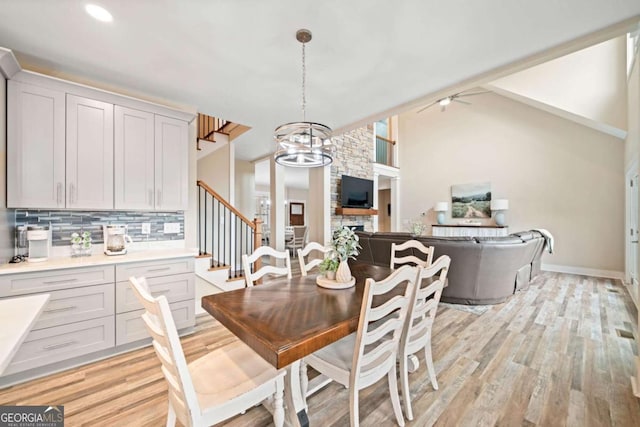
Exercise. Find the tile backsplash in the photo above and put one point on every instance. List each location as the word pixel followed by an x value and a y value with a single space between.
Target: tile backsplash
pixel 63 223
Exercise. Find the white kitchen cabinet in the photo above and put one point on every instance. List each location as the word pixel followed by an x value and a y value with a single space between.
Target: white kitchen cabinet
pixel 92 312
pixel 134 159
pixel 171 163
pixel 151 161
pixel 89 161
pixel 75 147
pixel 36 147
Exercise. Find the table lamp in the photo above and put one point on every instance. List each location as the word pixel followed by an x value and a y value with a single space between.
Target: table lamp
pixel 441 208
pixel 499 206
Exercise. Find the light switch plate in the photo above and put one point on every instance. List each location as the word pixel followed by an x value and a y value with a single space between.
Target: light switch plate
pixel 171 227
pixel 145 228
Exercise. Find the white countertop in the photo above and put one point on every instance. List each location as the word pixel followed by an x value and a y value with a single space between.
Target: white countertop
pixel 98 258
pixel 17 317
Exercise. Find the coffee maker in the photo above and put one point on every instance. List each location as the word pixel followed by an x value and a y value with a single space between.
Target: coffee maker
pixel 39 240
pixel 115 239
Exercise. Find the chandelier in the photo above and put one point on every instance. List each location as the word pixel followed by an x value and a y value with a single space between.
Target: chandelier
pixel 303 144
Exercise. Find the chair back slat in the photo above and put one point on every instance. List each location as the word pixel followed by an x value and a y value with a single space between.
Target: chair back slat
pixel 376 345
pixel 248 260
pixel 427 251
pixel 161 327
pixel 302 253
pixel 424 305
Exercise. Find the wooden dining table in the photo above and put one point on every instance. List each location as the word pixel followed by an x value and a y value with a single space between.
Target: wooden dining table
pixel 285 320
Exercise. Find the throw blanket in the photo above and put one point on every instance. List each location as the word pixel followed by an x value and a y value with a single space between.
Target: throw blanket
pixel 548 238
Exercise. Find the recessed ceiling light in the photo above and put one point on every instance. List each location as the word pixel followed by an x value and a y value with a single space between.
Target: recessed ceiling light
pixel 99 13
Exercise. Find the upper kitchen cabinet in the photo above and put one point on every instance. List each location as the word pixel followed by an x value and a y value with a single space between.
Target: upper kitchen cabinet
pixel 134 159
pixel 171 163
pixel 77 147
pixel 89 163
pixel 151 161
pixel 36 146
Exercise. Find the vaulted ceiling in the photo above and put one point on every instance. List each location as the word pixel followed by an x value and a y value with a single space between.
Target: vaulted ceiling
pixel 239 59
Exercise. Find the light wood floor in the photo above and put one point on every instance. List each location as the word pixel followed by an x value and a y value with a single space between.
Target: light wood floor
pixel 551 356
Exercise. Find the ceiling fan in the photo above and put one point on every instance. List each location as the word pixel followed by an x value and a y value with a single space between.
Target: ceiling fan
pixel 443 102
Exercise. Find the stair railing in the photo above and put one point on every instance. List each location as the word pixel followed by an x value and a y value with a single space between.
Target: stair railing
pixel 384 151
pixel 224 233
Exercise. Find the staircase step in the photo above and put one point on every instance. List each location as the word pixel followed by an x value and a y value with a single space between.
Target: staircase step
pixel 235 275
pixel 205 255
pixel 220 267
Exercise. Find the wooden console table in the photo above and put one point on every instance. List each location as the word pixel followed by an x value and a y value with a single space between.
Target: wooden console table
pixel 457 230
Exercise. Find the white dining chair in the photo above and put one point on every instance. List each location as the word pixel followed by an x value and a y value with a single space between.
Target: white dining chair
pixel 410 244
pixel 249 260
pixel 305 267
pixel 361 359
pixel 299 238
pixel 224 383
pixel 416 332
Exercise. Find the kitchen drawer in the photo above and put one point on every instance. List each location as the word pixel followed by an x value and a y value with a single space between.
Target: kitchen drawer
pixel 178 287
pixel 75 305
pixel 59 343
pixel 130 327
pixel 159 268
pixel 52 280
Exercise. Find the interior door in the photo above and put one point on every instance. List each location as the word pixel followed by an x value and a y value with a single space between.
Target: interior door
pixel 296 213
pixel 633 231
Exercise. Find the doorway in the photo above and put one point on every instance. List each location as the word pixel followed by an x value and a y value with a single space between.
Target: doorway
pixel 384 210
pixel 296 213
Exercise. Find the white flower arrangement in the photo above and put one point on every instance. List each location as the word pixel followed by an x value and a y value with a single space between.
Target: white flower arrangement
pixel 417 227
pixel 345 243
pixel 81 243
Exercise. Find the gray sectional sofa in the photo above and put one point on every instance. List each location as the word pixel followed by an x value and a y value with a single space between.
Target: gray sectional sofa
pixel 484 270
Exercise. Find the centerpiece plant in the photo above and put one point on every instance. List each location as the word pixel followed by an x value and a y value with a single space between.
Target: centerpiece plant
pixel 329 265
pixel 344 245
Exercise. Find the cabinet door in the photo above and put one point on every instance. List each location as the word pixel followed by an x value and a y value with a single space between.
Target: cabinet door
pixel 89 153
pixel 36 147
pixel 172 163
pixel 134 159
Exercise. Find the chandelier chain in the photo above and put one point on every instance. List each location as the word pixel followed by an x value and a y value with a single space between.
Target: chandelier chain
pixel 304 81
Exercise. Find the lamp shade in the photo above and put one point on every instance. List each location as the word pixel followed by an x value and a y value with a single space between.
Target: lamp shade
pixel 499 205
pixel 441 207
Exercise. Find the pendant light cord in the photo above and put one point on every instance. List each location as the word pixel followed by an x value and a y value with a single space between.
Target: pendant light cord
pixel 304 81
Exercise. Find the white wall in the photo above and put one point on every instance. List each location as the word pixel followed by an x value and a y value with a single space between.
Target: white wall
pixel 7 217
pixel 214 170
pixel 556 174
pixel 632 143
pixel 590 83
pixel 245 188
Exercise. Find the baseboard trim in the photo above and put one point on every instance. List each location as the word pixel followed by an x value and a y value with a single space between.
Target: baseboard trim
pixel 608 274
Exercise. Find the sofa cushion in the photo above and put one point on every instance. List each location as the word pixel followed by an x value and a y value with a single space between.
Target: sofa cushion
pixel 447 239
pixel 506 240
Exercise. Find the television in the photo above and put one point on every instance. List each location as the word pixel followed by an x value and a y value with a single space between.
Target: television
pixel 356 192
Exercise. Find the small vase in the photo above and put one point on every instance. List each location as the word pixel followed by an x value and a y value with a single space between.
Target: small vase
pixel 331 275
pixel 343 274
pixel 79 251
